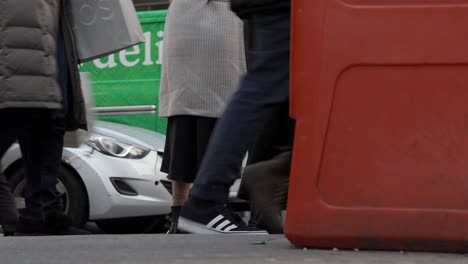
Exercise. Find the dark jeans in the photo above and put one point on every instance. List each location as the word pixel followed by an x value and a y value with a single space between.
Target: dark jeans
pixel 41 175
pixel 17 123
pixel 263 89
pixel 277 133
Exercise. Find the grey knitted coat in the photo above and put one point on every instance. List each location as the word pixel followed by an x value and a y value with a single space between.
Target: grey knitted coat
pixel 203 58
pixel 28 68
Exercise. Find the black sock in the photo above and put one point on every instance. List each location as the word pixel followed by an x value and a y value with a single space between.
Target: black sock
pixel 175 210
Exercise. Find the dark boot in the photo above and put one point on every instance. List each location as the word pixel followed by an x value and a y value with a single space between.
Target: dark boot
pixel 267 183
pixel 55 224
pixel 8 212
pixel 175 212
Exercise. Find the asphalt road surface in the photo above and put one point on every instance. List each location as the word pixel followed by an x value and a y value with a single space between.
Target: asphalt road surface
pixel 202 249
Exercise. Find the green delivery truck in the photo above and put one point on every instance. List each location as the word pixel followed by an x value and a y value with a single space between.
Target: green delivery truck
pixel 125 85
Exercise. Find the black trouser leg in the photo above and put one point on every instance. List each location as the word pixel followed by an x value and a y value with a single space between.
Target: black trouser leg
pixel 42 173
pixel 8 213
pixel 19 123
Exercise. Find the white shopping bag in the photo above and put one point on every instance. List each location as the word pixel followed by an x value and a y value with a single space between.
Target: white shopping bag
pixel 102 27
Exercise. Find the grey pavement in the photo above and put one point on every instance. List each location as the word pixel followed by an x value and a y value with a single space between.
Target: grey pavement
pixel 206 249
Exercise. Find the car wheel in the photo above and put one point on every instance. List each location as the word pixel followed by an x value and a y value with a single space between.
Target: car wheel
pixel 134 225
pixel 72 196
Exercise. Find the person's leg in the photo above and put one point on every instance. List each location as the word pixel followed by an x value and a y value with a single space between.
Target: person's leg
pixel 275 134
pixel 18 122
pixel 179 162
pixel 196 132
pixel 263 89
pixel 42 163
pixel 267 183
pixel 8 213
pixel 42 156
pixel 180 191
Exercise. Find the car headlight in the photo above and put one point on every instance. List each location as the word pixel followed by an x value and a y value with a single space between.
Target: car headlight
pixel 115 148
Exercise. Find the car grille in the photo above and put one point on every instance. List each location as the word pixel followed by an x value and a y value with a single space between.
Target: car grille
pixel 168 185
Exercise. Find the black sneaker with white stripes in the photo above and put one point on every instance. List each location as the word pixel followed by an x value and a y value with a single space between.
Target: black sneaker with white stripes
pixel 214 220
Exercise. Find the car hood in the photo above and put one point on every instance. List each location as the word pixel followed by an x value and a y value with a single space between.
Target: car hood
pixel 129 134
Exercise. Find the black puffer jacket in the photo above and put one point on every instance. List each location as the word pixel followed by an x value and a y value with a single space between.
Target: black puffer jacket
pixel 28 61
pixel 245 8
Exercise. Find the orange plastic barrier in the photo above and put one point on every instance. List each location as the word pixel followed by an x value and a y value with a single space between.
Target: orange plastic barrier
pixel 380 94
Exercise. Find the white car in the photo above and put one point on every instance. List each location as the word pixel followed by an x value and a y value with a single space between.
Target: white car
pixel 112 179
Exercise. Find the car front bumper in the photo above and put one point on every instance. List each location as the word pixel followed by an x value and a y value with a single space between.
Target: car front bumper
pixel 105 200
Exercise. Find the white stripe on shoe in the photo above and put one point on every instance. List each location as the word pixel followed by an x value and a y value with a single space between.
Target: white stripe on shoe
pixel 215 221
pixel 229 228
pixel 223 224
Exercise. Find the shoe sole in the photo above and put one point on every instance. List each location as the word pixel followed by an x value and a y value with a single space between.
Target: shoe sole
pixel 192 227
